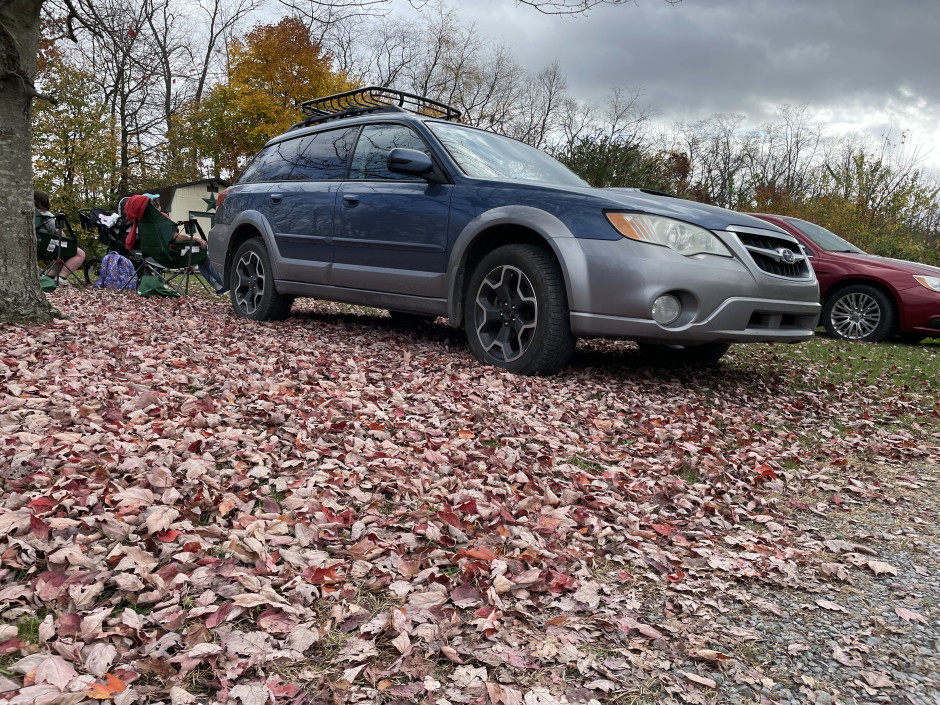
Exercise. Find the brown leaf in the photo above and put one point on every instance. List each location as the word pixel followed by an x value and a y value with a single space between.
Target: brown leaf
pixel 55 671
pixel 877 679
pixel 503 694
pixel 880 567
pixel 830 605
pixel 701 680
pixel 908 616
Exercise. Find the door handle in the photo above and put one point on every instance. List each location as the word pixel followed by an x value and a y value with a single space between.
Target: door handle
pixel 276 198
pixel 350 200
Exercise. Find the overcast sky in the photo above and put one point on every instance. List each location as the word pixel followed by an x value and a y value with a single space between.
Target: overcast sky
pixel 859 65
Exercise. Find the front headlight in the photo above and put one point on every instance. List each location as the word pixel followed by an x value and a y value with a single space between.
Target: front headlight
pixel 684 238
pixel 932 283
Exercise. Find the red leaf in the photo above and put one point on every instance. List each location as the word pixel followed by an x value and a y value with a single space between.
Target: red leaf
pixel 168 536
pixel 11 646
pixel 677 576
pixel 38 527
pixel 449 518
pixel 219 616
pixel 480 553
pixel 321 576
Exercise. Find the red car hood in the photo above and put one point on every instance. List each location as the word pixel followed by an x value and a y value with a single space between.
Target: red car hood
pixel 895 265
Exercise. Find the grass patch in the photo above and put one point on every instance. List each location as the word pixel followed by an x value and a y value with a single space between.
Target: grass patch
pixel 580 462
pixel 881 368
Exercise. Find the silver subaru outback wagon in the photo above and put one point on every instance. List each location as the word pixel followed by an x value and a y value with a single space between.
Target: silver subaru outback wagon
pixel 382 198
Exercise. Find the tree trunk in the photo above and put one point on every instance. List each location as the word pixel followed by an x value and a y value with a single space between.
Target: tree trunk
pixel 21 299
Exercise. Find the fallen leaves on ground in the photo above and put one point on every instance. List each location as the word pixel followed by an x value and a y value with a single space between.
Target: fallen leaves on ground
pixel 334 509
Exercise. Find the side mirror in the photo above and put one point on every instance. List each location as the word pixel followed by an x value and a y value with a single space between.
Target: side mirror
pixel 410 162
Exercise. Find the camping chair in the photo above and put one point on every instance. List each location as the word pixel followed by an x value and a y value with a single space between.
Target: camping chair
pixel 155 232
pixel 56 247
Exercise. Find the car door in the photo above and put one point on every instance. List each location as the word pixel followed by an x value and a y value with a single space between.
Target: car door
pixel 390 230
pixel 299 206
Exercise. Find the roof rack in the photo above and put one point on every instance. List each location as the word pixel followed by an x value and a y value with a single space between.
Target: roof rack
pixel 371 99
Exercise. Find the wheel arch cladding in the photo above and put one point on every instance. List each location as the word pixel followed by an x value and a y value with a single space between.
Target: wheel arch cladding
pixel 242 233
pixel 475 243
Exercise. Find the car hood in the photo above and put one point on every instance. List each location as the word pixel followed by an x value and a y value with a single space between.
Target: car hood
pixel 894 265
pixel 711 217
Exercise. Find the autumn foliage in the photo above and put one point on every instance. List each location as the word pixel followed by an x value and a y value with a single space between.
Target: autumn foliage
pixel 272 70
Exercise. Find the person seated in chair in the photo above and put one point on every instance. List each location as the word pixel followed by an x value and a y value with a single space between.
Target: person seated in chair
pixel 205 269
pixel 45 225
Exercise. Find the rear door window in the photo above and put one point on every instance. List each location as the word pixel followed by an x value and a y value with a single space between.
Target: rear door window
pixel 322 156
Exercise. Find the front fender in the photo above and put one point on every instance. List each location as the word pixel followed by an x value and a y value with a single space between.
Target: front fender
pixel 544 226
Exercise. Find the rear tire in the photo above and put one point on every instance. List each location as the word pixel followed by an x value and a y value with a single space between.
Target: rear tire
pixel 516 311
pixel 704 355
pixel 251 279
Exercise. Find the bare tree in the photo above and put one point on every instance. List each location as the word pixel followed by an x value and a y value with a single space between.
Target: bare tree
pixel 780 157
pixel 575 7
pixel 716 159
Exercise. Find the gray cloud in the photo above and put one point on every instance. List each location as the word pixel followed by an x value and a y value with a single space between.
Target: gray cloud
pixel 865 65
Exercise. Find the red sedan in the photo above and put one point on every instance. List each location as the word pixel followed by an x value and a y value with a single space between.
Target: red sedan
pixel 866 297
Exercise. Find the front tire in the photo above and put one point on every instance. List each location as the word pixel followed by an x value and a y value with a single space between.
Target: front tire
pixel 516 311
pixel 251 279
pixel 704 355
pixel 859 312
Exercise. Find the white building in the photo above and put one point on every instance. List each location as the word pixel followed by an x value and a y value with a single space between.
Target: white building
pixel 197 199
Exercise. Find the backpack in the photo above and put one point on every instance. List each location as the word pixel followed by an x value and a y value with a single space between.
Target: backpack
pixel 116 272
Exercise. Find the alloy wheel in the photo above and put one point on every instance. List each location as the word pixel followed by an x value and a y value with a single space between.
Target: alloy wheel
pixel 249 282
pixel 507 312
pixel 855 316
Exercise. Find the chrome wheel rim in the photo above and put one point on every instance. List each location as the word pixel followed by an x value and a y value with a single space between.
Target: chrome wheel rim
pixel 506 313
pixel 249 282
pixel 855 316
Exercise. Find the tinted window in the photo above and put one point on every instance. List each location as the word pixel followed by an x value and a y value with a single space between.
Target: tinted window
pixel 273 163
pixel 375 142
pixel 323 156
pixel 317 157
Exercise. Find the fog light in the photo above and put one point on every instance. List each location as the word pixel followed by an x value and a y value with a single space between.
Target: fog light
pixel 666 309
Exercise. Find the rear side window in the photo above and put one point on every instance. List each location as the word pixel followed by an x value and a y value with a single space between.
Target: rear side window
pixel 375 142
pixel 319 157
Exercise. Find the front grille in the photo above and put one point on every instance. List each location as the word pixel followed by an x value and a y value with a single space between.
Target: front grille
pixel 779 256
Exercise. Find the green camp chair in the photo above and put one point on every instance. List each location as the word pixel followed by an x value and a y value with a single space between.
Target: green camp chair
pixel 56 247
pixel 179 258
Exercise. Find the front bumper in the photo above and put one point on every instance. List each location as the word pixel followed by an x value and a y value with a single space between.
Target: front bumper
pixel 735 321
pixel 722 298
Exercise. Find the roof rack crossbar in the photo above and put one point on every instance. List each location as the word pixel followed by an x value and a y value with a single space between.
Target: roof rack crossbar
pixel 376 98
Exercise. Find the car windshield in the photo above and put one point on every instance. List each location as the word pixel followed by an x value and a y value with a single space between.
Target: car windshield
pixel 486 155
pixel 824 239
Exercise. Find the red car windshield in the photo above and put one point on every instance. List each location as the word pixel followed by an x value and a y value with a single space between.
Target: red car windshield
pixel 824 239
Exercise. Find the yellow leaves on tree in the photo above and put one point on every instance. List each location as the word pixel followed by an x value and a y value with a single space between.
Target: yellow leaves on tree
pixel 272 71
